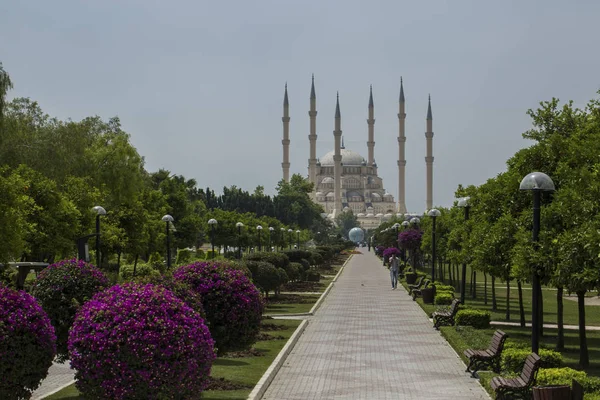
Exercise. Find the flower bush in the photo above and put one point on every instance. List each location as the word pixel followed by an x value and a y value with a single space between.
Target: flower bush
pixel 410 239
pixel 387 253
pixel 137 341
pixel 27 344
pixel 379 250
pixel 61 289
pixel 232 303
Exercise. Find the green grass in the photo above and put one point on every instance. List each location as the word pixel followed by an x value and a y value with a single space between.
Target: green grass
pixel 309 301
pixel 247 370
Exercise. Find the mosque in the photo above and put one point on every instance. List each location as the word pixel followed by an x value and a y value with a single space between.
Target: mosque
pixel 343 179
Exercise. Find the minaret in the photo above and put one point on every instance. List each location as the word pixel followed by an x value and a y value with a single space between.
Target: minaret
pixel 312 137
pixel 371 124
pixel 429 158
pixel 401 158
pixel 337 159
pixel 286 137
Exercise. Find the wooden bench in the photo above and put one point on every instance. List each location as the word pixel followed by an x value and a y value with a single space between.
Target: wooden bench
pixel 417 284
pixel 480 358
pixel 445 317
pixel 509 388
pixel 416 292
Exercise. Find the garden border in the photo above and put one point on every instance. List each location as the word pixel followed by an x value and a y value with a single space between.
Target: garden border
pixel 58 389
pixel 264 382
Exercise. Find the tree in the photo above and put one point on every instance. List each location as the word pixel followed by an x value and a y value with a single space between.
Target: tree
pixel 5 86
pixel 345 221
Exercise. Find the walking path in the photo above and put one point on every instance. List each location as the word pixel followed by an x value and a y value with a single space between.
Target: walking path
pixel 59 376
pixel 368 341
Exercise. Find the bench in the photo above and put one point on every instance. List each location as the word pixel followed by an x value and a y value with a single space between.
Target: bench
pixel 509 388
pixel 480 358
pixel 416 292
pixel 417 284
pixel 445 317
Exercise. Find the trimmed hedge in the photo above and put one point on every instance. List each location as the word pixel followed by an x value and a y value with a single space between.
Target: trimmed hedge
pixel 297 255
pixel 513 359
pixel 279 260
pixel 444 298
pixel 444 288
pixel 294 271
pixel 141 270
pixel 559 376
pixel 313 276
pixel 478 319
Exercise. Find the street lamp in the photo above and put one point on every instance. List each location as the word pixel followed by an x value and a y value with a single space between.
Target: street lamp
pixel 239 226
pixel 290 232
pixel 99 210
pixel 537 182
pixel 167 218
pixel 282 239
pixel 259 228
pixel 433 213
pixel 415 221
pixel 213 223
pixel 298 239
pixel 271 229
pixel 396 226
pixel 464 203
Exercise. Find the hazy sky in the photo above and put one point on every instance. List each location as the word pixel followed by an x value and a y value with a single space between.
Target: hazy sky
pixel 199 85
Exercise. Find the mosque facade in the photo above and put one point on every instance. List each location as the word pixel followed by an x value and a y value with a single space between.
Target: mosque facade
pixel 344 180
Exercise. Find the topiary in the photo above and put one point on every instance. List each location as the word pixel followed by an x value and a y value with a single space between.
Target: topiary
pixel 183 256
pixel 443 298
pixel 312 276
pixel 283 278
pixel 294 271
pixel 27 344
pixel 264 276
pixel 137 341
pixel 478 319
pixel 62 288
pixel 513 358
pixel 8 276
pixel 297 255
pixel 558 376
pixel 316 258
pixel 279 260
pixel 141 270
pixel 232 303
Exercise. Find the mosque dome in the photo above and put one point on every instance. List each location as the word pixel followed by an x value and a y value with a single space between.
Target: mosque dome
pixel 328 179
pixel 349 157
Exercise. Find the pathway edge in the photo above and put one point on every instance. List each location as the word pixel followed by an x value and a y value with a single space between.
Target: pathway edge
pixel 57 389
pixel 326 292
pixel 264 382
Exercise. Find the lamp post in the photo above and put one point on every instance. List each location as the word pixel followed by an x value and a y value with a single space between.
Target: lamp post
pixel 537 182
pixel 405 225
pixel 396 226
pixel 259 228
pixel 99 210
pixel 290 232
pixel 282 239
pixel 298 239
pixel 433 213
pixel 167 218
pixel 464 203
pixel 271 229
pixel 213 223
pixel 239 227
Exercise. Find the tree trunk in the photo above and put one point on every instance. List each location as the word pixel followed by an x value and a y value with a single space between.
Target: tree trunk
pixel 560 342
pixel 450 274
pixel 135 264
pixel 541 308
pixel 494 303
pixel 584 359
pixel 521 307
pixel 507 317
pixel 485 289
pixel 474 284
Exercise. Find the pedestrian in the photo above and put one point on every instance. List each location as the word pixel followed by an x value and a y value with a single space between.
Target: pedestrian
pixel 394 270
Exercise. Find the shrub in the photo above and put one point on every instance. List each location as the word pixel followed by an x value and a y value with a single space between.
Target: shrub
pixel 591 384
pixel 387 253
pixel 183 256
pixel 232 303
pixel 279 260
pixel 27 344
pixel 513 358
pixel 316 258
pixel 200 254
pixel 297 255
pixel 313 276
pixel 444 298
pixel 61 288
pixel 410 239
pixel 559 376
pixel 264 276
pixel 211 255
pixel 478 319
pixel 136 341
pixel 157 262
pixel 305 264
pixel 283 278
pixel 444 288
pixel 294 270
pixel 141 270
pixel 8 276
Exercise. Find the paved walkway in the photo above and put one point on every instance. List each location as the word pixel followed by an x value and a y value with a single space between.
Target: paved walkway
pixel 59 375
pixel 368 341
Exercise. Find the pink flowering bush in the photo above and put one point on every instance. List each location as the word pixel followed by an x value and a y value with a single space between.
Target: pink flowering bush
pixel 61 289
pixel 136 341
pixel 27 344
pixel 410 239
pixel 387 253
pixel 233 305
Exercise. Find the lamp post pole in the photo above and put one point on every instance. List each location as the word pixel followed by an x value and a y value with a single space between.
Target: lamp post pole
pixel 282 247
pixel 298 239
pixel 396 226
pixel 464 203
pixel 271 229
pixel 212 222
pixel 537 182
pixel 259 228
pixel 239 226
pixel 290 232
pixel 433 213
pixel 99 211
pixel 167 218
pixel 415 222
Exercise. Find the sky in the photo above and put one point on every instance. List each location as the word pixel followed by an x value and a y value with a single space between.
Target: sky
pixel 199 84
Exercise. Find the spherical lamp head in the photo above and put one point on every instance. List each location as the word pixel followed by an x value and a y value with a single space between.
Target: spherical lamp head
pixel 537 181
pixel 239 225
pixel 167 218
pixel 434 213
pixel 99 210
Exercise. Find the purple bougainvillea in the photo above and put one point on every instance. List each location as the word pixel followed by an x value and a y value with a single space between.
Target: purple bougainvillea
pixel 27 344
pixel 233 305
pixel 61 289
pixel 410 239
pixel 136 341
pixel 387 253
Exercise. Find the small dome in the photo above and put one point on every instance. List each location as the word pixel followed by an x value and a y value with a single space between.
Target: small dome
pixel 328 179
pixel 349 157
pixel 388 215
pixel 360 215
pixel 375 195
pixel 319 194
pixel 379 215
pixel 400 215
pixel 370 215
pixel 363 163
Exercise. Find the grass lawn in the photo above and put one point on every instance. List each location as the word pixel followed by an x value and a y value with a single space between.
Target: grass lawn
pixel 303 306
pixel 247 370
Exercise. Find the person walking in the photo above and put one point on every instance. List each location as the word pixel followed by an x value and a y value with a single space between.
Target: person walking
pixel 394 270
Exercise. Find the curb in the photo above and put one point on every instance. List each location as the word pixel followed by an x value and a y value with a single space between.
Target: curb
pixel 56 390
pixel 326 292
pixel 341 269
pixel 264 382
pixel 304 314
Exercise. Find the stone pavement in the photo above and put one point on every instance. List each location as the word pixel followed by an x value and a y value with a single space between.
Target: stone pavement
pixel 370 342
pixel 59 376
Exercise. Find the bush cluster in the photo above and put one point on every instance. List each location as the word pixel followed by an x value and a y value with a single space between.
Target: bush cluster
pixel 387 253
pixel 141 270
pixel 313 276
pixel 279 260
pixel 559 376
pixel 513 359
pixel 27 344
pixel 61 289
pixel 233 305
pixel 478 319
pixel 136 341
pixel 444 298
